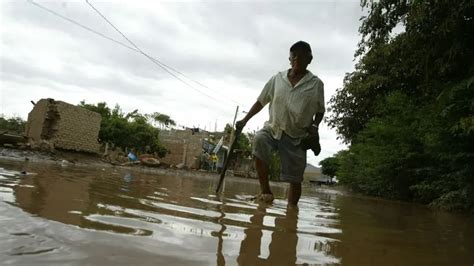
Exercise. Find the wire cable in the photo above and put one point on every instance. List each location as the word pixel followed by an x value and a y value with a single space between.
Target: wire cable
pixel 156 61
pixel 121 44
pixel 81 25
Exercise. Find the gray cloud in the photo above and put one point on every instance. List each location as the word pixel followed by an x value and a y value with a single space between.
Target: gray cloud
pixel 23 72
pixel 237 45
pixel 246 39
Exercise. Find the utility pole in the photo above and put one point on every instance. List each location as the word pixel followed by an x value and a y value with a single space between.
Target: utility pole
pixel 233 125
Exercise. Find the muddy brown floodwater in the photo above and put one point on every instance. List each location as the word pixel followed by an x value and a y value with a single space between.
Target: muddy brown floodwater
pixel 76 215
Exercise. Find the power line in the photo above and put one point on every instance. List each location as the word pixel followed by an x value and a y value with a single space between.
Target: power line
pixel 80 25
pixel 122 44
pixel 154 60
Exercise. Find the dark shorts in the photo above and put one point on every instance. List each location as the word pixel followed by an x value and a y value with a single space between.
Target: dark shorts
pixel 292 155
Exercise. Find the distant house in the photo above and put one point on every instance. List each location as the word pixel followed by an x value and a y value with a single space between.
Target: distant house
pixel 64 125
pixel 312 174
pixel 192 148
pixel 184 146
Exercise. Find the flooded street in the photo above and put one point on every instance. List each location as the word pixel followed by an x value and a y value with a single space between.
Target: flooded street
pixel 93 215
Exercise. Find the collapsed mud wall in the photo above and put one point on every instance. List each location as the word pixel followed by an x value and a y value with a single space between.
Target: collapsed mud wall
pixel 36 119
pixel 64 125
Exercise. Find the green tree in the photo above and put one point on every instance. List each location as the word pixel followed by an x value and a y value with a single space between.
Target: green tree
pixel 407 109
pixel 162 119
pixel 127 130
pixel 330 166
pixel 12 125
pixel 100 108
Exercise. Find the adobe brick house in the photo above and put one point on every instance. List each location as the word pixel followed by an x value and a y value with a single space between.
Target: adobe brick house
pixel 184 146
pixel 66 126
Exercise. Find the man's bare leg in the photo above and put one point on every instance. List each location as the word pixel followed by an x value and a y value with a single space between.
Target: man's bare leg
pixel 262 171
pixel 294 194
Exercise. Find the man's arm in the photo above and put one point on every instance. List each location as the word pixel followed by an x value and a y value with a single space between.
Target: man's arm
pixel 257 106
pixel 313 129
pixel 318 118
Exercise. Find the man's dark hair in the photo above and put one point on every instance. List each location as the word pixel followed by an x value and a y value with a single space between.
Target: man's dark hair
pixel 301 46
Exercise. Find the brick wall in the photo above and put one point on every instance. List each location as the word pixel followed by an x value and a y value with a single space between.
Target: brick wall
pixel 34 126
pixel 67 126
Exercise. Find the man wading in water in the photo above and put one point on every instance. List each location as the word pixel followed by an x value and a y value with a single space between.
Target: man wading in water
pixel 296 99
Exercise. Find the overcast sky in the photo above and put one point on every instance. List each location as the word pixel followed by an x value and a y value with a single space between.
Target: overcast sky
pixel 230 47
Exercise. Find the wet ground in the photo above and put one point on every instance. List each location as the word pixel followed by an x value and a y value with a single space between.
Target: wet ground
pixel 79 215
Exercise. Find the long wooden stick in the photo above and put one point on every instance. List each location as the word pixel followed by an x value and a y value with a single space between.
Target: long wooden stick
pixel 229 157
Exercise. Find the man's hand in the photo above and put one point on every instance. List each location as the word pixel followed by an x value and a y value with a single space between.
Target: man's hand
pixel 256 107
pixel 313 130
pixel 312 140
pixel 239 125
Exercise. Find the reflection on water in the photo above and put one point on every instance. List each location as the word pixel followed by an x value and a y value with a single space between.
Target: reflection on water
pixel 179 219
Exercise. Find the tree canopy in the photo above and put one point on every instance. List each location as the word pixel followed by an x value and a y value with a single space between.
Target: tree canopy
pixel 329 166
pixel 12 125
pixel 127 130
pixel 407 110
pixel 162 120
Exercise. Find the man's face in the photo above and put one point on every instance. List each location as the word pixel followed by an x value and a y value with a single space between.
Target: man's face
pixel 299 60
